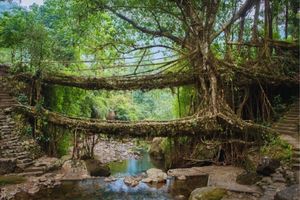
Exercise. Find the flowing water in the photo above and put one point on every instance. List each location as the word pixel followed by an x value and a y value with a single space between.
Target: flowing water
pixel 97 188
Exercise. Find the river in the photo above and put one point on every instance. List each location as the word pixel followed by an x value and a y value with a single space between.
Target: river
pixel 97 188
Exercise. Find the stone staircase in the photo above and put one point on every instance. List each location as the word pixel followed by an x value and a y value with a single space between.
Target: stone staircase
pixel 10 142
pixel 288 127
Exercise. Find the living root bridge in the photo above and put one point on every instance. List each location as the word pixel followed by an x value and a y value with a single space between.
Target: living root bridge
pixel 146 82
pixel 207 126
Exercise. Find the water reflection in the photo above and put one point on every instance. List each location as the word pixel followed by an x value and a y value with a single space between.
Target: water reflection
pixel 132 167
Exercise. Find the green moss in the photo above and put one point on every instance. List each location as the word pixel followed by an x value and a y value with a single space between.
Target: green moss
pixel 9 180
pixel 216 194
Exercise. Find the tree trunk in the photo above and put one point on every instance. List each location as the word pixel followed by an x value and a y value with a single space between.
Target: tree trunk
pixel 286 19
pixel 255 22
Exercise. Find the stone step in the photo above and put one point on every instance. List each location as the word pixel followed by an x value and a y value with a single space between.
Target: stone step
pixel 296 166
pixel 11 151
pixel 296 149
pixel 296 160
pixel 292 113
pixel 289 119
pixel 7 127
pixel 8 138
pixel 15 141
pixel 287 123
pixel 295 117
pixel 7 120
pixel 40 164
pixel 15 146
pixel 289 127
pixel 12 146
pixel 25 153
pixel 24 160
pixel 7 99
pixel 7 102
pixel 24 165
pixel 287 132
pixel 20 157
pixel 296 154
pixel 34 169
pixel 6 130
pixel 8 133
pixel 35 173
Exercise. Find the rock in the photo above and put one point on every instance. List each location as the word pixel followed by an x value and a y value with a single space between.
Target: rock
pixel 34 189
pixel 147 180
pixel 110 179
pixel 289 193
pixel 248 178
pixel 267 166
pixel 267 180
pixel 156 151
pixel 181 178
pixel 75 170
pixel 96 168
pixel 205 193
pixel 7 165
pixel 131 181
pixel 155 176
pixel 179 197
pixel 277 177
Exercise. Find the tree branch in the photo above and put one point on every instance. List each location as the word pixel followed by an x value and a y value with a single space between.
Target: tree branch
pixel 160 33
pixel 242 11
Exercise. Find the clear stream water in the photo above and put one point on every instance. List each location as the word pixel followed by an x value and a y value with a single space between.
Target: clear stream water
pixel 98 189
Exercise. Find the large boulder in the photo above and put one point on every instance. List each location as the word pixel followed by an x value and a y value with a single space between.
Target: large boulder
pixel 289 193
pixel 96 168
pixel 156 151
pixel 74 170
pixel 7 165
pixel 207 193
pixel 155 176
pixel 267 166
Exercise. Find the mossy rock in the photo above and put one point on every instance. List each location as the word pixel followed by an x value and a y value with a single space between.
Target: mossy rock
pixel 248 178
pixel 96 168
pixel 208 193
pixel 9 180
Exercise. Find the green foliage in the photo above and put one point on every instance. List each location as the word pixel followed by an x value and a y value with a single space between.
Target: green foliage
pixel 277 149
pixel 184 100
pixel 64 144
pixel 22 98
pixel 9 180
pixel 27 131
pixel 279 106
